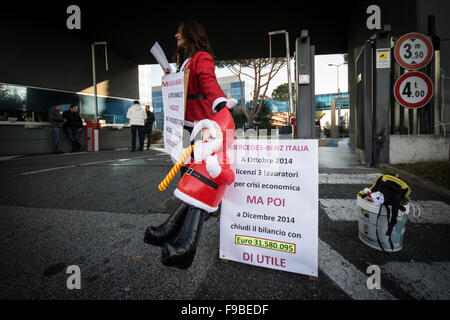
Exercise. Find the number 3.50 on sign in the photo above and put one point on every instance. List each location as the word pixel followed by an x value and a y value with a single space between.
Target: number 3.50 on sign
pixel 413 90
pixel 413 51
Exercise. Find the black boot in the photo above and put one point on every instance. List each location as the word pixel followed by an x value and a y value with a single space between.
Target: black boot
pixel 168 230
pixel 181 252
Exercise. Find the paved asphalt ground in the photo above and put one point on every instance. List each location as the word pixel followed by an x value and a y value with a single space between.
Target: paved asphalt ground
pixel 91 210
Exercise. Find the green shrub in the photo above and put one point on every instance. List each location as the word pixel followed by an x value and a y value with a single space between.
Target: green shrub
pixel 156 135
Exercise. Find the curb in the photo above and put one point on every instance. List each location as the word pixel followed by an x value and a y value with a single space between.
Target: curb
pixel 5 158
pixel 423 183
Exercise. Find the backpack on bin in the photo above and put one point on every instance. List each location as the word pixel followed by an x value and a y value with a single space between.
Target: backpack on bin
pixel 396 193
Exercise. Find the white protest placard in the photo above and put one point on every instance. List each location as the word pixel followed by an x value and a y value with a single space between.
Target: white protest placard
pixel 159 55
pixel 269 215
pixel 173 101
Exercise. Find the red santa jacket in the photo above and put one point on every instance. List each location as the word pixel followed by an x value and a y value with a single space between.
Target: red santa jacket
pixel 202 82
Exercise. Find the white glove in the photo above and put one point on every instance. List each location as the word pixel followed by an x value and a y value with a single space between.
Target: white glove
pixel 231 103
pixel 212 166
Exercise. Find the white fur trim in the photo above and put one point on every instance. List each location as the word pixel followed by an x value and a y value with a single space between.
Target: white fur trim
pixel 193 202
pixel 231 103
pixel 212 166
pixel 205 123
pixel 217 101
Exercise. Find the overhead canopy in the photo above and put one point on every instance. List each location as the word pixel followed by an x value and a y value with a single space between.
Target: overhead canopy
pixel 235 30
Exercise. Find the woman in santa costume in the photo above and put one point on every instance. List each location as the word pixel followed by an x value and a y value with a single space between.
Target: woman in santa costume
pixel 194 52
pixel 203 183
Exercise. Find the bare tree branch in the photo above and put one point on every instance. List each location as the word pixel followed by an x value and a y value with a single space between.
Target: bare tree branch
pixel 264 70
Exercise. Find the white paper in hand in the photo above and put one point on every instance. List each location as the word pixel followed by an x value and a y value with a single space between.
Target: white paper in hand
pixel 159 55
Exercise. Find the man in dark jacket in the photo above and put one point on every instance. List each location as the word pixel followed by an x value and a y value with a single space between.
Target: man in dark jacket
pixel 56 125
pixel 73 126
pixel 148 125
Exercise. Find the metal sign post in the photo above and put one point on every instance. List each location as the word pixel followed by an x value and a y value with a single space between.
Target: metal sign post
pixel 414 51
pixel 382 103
pixel 306 108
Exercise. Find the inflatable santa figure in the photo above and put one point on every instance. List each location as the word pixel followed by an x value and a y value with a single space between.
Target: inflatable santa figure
pixel 201 189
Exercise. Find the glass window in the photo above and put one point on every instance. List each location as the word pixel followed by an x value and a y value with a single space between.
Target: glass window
pixel 323 101
pixel 158 109
pixel 13 103
pixel 22 103
pixel 235 91
pixel 237 85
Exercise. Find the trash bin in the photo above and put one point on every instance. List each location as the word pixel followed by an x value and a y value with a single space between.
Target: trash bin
pixel 369 224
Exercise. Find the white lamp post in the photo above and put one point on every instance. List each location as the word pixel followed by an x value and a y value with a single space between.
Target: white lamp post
pixel 94 72
pixel 337 68
pixel 291 104
pixel 339 90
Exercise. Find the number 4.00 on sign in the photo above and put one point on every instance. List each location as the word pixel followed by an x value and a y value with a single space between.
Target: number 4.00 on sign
pixel 413 90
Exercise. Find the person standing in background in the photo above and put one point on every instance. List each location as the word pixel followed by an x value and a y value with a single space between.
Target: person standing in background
pixel 137 117
pixel 73 126
pixel 149 125
pixel 56 124
pixel 341 126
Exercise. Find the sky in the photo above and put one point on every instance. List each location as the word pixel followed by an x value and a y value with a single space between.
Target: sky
pixel 325 76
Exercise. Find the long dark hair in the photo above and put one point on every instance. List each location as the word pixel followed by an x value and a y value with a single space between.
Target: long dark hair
pixel 195 39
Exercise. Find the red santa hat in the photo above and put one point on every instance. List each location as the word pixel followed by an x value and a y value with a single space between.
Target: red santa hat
pixel 222 120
